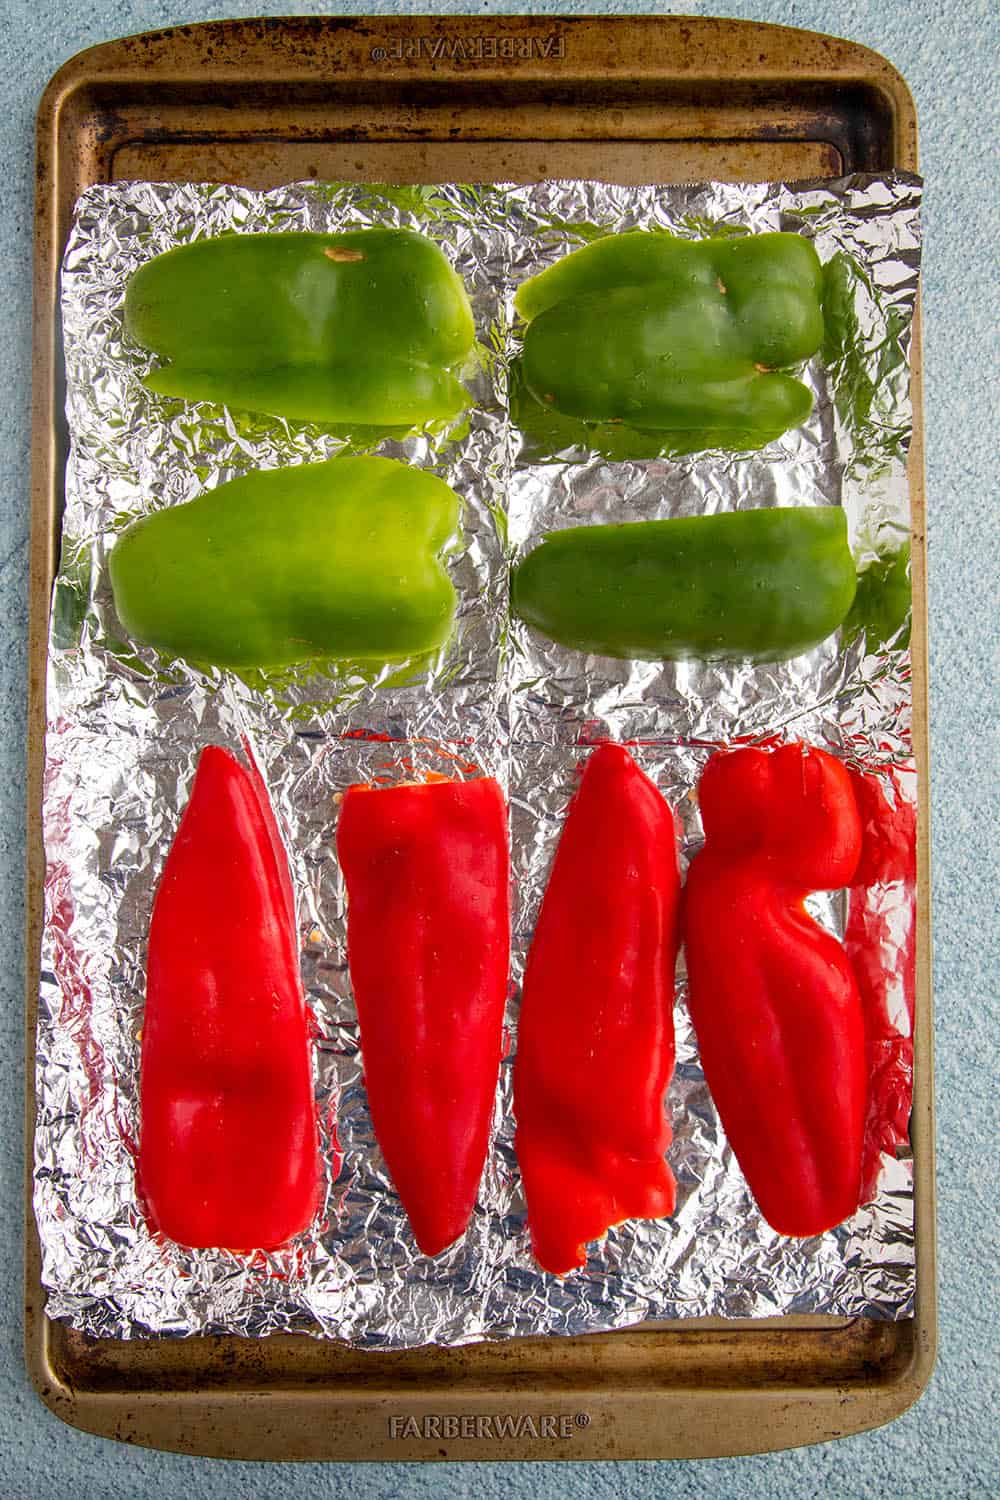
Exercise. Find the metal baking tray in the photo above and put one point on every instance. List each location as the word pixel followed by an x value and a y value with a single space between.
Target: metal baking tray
pixel 417 99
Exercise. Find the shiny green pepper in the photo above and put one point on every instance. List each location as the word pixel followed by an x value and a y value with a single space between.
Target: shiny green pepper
pixel 687 338
pixel 756 584
pixel 364 327
pixel 329 560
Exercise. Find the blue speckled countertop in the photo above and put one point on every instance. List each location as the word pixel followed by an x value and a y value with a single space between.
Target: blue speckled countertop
pixel 947 1445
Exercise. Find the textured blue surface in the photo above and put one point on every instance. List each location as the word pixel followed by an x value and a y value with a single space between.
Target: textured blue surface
pixel 947 50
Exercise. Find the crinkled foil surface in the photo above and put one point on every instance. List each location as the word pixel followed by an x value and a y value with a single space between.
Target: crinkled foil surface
pixel 125 729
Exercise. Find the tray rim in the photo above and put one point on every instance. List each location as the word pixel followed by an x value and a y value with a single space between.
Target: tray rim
pixel 707 1420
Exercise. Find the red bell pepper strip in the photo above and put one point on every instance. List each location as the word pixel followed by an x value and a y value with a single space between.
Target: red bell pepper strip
pixel 428 947
pixel 773 998
pixel 595 1045
pixel 880 942
pixel 228 1142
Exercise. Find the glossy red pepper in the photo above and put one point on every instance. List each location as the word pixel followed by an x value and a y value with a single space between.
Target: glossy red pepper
pixel 595 1044
pixel 881 927
pixel 228 1144
pixel 773 997
pixel 428 946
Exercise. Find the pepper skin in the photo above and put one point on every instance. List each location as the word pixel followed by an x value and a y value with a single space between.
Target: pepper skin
pixel 428 946
pixel 227 1147
pixel 883 601
pixel 757 584
pixel 773 997
pixel 681 336
pixel 335 560
pixel 595 1045
pixel 363 327
pixel 882 919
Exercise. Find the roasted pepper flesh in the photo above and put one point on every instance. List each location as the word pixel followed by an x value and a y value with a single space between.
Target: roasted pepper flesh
pixel 365 326
pixel 227 1146
pixel 428 946
pixel 773 997
pixel 595 1044
pixel 758 584
pixel 330 560
pixel 682 336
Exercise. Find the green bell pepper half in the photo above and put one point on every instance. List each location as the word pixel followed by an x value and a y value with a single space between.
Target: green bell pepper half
pixel 757 584
pixel 334 560
pixel 362 327
pixel 688 338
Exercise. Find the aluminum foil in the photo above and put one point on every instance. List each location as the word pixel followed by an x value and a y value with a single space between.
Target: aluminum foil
pixel 125 728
